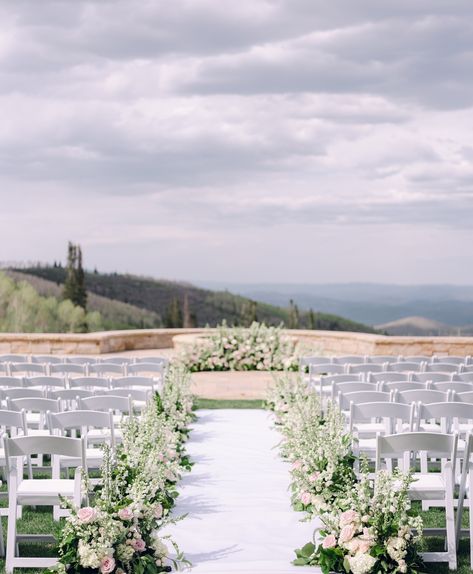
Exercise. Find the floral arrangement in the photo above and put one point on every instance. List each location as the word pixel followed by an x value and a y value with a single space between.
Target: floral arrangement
pixel 375 532
pixel 315 443
pixel 257 348
pixel 120 532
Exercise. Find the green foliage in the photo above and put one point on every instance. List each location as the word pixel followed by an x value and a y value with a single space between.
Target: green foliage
pixel 74 284
pixel 206 307
pixel 23 310
pixel 174 316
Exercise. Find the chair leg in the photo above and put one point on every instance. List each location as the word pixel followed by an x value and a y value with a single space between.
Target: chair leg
pixel 2 541
pixel 450 519
pixel 11 530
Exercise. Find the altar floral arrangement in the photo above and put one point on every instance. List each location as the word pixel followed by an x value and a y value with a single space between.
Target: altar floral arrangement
pixel 120 532
pixel 256 348
pixel 375 533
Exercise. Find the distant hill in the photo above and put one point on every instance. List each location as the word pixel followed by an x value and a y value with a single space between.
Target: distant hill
pixel 148 301
pixel 370 303
pixel 421 326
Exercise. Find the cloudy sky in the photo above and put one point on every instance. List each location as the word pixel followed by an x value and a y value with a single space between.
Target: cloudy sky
pixel 279 140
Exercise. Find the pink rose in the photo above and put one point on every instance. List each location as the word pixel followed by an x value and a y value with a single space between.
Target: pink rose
pixel 314 476
pixel 296 465
pixel 107 565
pixel 347 533
pixel 305 498
pixel 86 514
pixel 138 544
pixel 125 513
pixel 158 511
pixel 348 517
pixel 329 541
pixel 365 546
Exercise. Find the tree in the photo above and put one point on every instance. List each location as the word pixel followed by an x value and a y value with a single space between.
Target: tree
pixel 174 314
pixel 312 322
pixel 187 316
pixel 249 313
pixel 74 285
pixel 293 315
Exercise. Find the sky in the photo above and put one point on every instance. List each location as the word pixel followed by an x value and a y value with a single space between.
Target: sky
pixel 254 141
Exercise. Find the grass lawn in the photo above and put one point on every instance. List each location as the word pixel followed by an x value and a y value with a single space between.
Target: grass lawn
pixel 228 404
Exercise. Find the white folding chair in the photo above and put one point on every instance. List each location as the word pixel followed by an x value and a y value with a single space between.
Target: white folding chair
pixel 164 361
pixel 324 382
pixel 69 398
pixel 121 406
pixel 366 368
pixel 405 366
pixel 367 420
pixel 8 382
pixel 68 369
pixel 46 382
pixel 82 423
pixel 467 368
pixel 154 369
pixel 26 369
pixel 115 360
pixel 80 360
pixel 430 377
pixel 402 386
pixel 107 369
pixel 425 396
pixel 427 486
pixel 464 377
pixel 450 359
pixel 24 393
pixel 351 387
pixel 387 377
pixel 359 397
pixel 442 368
pixel 318 369
pixel 89 383
pixel 46 359
pixel 37 492
pixel 382 359
pixel 133 382
pixel 13 358
pixel 349 360
pixel 457 386
pixel 415 358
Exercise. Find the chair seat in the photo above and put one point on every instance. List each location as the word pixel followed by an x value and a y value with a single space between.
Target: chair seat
pixel 367 445
pixel 44 492
pixel 370 428
pixel 429 486
pixel 430 427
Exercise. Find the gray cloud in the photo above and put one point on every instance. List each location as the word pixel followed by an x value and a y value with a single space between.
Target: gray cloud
pixel 207 127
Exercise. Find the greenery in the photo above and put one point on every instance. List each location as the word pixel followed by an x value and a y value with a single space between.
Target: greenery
pixel 74 284
pixel 228 404
pixel 256 348
pixel 195 306
pixel 23 310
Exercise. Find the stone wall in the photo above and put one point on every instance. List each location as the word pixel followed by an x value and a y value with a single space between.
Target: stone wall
pixel 326 342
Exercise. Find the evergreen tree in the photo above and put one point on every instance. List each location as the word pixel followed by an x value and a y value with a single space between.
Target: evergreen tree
pixel 187 321
pixel 173 317
pixel 293 315
pixel 249 313
pixel 74 284
pixel 312 322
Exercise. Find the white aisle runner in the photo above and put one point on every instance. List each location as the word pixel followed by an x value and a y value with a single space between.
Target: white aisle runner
pixel 240 518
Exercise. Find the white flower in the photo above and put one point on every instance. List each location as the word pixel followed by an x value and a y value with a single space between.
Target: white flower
pixel 361 563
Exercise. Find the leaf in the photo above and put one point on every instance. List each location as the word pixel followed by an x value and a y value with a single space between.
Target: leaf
pixel 308 549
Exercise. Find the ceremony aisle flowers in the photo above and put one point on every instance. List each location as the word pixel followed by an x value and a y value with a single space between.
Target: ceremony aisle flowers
pixel 256 348
pixel 367 528
pixel 375 532
pixel 120 532
pixel 315 443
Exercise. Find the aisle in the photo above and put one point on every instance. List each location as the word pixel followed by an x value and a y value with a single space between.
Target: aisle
pixel 240 519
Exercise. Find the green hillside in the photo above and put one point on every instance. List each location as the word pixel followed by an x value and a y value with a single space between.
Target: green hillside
pixel 204 307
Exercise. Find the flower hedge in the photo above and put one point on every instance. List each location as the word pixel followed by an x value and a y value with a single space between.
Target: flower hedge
pixel 120 532
pixel 368 528
pixel 256 348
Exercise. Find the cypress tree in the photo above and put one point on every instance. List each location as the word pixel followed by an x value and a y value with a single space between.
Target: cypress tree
pixel 74 284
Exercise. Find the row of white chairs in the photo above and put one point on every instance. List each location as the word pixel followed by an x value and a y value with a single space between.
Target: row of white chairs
pixel 53 359
pixel 82 369
pixel 455 388
pixel 65 382
pixel 319 369
pixel 356 359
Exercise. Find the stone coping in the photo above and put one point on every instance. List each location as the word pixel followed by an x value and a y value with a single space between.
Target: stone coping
pixel 323 342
